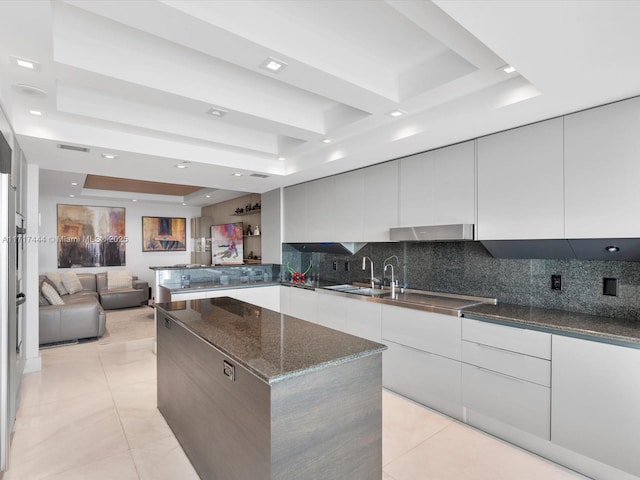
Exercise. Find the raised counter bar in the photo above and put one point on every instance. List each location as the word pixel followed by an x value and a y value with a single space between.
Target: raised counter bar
pixel 251 393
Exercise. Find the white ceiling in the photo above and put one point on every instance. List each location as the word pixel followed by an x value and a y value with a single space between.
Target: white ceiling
pixel 137 78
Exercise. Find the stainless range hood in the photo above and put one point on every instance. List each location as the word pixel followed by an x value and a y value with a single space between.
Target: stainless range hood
pixel 432 233
pixel 616 249
pixel 336 248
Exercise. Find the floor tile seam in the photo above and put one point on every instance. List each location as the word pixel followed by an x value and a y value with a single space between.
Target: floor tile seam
pixel 46 402
pixel 79 466
pixel 102 353
pixel 422 442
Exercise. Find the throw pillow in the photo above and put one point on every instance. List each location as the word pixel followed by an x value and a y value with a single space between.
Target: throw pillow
pixel 71 282
pixel 51 294
pixel 56 279
pixel 119 279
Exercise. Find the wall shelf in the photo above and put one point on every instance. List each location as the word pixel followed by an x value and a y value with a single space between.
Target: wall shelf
pixel 242 214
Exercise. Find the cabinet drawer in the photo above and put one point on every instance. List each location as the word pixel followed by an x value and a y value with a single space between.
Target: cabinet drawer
pixel 426 378
pixel 512 401
pixel 529 342
pixel 431 332
pixel 525 367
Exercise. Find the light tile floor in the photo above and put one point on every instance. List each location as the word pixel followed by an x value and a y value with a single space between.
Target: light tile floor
pixel 91 414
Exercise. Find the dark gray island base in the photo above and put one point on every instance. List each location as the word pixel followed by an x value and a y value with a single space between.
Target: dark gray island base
pixel 254 394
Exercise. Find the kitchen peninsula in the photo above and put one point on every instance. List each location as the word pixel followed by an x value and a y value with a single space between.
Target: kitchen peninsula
pixel 252 393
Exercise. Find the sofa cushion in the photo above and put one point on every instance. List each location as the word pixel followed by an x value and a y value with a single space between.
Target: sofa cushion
pixel 42 301
pixel 51 294
pixel 71 282
pixel 56 279
pixel 119 279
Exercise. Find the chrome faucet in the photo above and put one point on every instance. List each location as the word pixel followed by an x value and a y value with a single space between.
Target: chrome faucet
pixel 364 265
pixel 393 282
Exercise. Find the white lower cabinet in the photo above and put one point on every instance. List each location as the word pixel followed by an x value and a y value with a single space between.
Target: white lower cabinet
pixel 503 383
pixel 423 359
pixel 427 331
pixel 425 377
pixel 596 401
pixel 509 400
pixel 300 303
pixel 332 310
pixel 266 297
pixel 350 315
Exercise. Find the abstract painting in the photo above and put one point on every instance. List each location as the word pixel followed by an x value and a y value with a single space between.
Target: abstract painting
pixel 91 236
pixel 164 234
pixel 227 244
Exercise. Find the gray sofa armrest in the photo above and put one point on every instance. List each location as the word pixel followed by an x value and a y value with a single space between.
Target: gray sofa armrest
pixel 141 285
pixel 71 321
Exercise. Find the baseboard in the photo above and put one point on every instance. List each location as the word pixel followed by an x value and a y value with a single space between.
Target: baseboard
pixel 33 364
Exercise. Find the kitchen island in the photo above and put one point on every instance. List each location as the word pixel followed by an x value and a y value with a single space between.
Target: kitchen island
pixel 252 393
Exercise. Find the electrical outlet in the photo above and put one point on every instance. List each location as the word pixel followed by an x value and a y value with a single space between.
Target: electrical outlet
pixel 346 266
pixel 610 286
pixel 556 282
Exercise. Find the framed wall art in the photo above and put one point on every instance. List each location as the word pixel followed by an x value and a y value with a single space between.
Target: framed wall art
pixel 164 234
pixel 227 244
pixel 90 236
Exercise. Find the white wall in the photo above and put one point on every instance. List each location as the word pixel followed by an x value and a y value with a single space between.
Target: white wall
pixel 31 335
pixel 137 261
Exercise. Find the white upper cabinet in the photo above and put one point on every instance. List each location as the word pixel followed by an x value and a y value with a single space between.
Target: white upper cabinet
pixel 295 213
pixel 348 214
pixel 357 206
pixel 438 187
pixel 602 168
pixel 321 205
pixel 380 201
pixel 520 183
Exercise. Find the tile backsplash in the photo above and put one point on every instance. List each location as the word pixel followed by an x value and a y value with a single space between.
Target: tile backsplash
pixel 467 268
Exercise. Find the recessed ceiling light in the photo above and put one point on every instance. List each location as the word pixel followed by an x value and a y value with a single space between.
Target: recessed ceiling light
pixel 327 140
pixel 612 248
pixel 183 203
pixel 109 156
pixel 236 174
pixel 181 165
pixel 72 195
pixel 208 196
pixel 273 65
pixel 217 112
pixel 508 69
pixel 281 158
pixel 37 113
pixel 74 184
pixel 25 63
pixel 134 200
pixel 396 113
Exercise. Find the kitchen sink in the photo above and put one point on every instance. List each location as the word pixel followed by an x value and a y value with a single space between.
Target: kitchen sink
pixel 369 291
pixel 357 289
pixel 342 288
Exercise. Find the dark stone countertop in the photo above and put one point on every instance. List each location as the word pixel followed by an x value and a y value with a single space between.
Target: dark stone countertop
pixel 273 346
pixel 591 327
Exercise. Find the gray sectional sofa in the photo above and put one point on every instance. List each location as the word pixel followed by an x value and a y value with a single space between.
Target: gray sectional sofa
pixel 82 315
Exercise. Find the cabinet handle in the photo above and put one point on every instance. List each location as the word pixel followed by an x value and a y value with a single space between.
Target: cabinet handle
pixel 491 347
pixel 504 375
pixel 167 323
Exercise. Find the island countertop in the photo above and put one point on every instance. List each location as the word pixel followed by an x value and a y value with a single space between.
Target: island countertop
pixel 271 345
